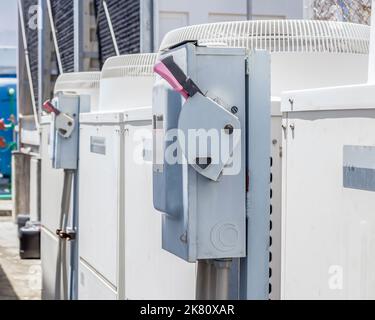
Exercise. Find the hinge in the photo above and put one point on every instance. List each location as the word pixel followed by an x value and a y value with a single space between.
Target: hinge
pixel 247 64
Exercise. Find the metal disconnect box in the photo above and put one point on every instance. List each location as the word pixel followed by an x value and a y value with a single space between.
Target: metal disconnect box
pixel 198 223
pixel 328 221
pixel 120 232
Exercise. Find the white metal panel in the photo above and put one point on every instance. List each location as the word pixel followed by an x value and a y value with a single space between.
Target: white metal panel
pixel 35 189
pixel 290 9
pixel 338 98
pixel 30 137
pixel 328 230
pixel 222 17
pixel 150 272
pixel 50 260
pixel 102 118
pixel 298 71
pixel 99 200
pixel 175 14
pixel 275 232
pixel 51 185
pixel 125 93
pixel 268 17
pixel 92 286
pixel 49 253
pixel 172 20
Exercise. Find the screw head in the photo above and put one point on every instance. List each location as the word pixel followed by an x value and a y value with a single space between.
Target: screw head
pixel 234 110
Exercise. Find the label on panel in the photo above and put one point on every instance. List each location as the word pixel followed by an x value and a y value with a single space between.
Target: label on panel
pixel 359 167
pixel 97 145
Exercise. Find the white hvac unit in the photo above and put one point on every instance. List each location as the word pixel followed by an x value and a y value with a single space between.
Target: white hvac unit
pixel 52 180
pixel 125 82
pixel 328 234
pixel 80 83
pixel 120 232
pixel 304 54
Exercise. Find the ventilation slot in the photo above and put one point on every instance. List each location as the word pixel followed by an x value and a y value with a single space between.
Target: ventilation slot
pixel 277 36
pixel 77 81
pixel 136 65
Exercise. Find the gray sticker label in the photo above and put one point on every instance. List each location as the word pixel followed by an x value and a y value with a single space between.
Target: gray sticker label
pixel 98 145
pixel 359 168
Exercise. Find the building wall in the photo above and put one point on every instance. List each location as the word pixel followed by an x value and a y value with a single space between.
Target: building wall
pixel 358 11
pixel 8 23
pixel 175 14
pixel 126 21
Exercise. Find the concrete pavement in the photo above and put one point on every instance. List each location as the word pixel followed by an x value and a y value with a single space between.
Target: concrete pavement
pixel 19 279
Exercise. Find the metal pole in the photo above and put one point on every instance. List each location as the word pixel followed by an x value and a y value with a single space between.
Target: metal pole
pixel 222 268
pixel 110 25
pixel 249 9
pixel 213 279
pixel 147 26
pixel 28 68
pixel 204 283
pixel 62 274
pixel 44 55
pixel 57 49
pixel 78 36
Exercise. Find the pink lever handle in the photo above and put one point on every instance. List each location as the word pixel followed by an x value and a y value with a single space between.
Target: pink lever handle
pixel 49 108
pixel 163 71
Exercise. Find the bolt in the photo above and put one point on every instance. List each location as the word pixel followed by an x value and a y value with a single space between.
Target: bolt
pixel 229 129
pixel 183 238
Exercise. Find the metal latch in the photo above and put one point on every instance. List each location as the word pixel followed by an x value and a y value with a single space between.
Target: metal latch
pixel 68 235
pixel 202 115
pixel 64 123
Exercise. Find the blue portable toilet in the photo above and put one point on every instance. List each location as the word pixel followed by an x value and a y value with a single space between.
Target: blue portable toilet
pixel 8 117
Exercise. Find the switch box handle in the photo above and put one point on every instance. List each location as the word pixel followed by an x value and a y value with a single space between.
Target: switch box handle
pixel 172 73
pixel 49 108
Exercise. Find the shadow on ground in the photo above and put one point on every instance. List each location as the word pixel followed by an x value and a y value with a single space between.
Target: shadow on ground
pixel 19 279
pixel 6 289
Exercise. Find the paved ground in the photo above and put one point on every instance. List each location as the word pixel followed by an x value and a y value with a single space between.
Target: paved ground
pixel 19 279
pixel 5 207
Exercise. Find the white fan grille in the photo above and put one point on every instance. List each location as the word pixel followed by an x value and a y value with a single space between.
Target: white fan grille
pixel 278 36
pixel 77 81
pixel 135 65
